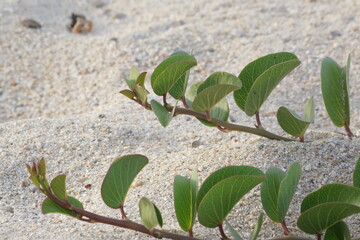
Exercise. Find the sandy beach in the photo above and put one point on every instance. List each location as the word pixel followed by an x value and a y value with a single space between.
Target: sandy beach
pixel 59 99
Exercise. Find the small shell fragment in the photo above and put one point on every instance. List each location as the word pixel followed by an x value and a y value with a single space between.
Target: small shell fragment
pixel 30 23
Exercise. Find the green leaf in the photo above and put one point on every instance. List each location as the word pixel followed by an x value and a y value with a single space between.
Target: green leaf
pixel 356 174
pixel 278 190
pixel 215 88
pixel 184 200
pixel 148 213
pixel 170 71
pixel 119 178
pixel 255 233
pixel 222 190
pixel 309 113
pixel 140 80
pixel 35 181
pixel 334 87
pixel 131 81
pixel 48 206
pixel 128 93
pixel 158 216
pixel 328 205
pixel 42 167
pixel 291 123
pixel 260 77
pixel 178 90
pixel 339 231
pixel 220 111
pixel 58 187
pixel 233 232
pixel 141 93
pixel 287 189
pixel 161 113
pixel 270 192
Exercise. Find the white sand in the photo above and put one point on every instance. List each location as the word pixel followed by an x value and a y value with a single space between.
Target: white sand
pixel 54 85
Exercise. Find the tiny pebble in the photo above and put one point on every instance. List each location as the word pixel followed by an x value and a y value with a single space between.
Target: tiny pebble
pixel 30 23
pixel 5 209
pixel 195 144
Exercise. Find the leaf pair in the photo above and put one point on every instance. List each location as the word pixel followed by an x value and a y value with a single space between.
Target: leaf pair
pixel 222 190
pixel 278 189
pixel 292 123
pixel 260 77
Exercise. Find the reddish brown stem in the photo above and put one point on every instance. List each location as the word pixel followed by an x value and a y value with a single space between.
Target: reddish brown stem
pixel 302 139
pixel 164 100
pixel 95 218
pixel 184 102
pixel 286 230
pixel 190 233
pixel 222 233
pixel 123 215
pixel 348 131
pixel 207 114
pixel 318 236
pixel 258 122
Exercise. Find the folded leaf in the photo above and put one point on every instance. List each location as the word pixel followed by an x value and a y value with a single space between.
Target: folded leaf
pixel 128 93
pixel 356 174
pixel 215 88
pixel 260 77
pixel 140 80
pixel 58 187
pixel 334 87
pixel 309 113
pixel 233 232
pixel 185 191
pixel 255 233
pixel 119 178
pixel 148 213
pixel 170 71
pixel 222 190
pixel 161 113
pixel 291 123
pixel 48 206
pixel 339 231
pixel 220 111
pixel 327 206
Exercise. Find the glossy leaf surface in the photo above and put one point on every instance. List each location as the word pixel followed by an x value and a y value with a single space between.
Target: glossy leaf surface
pixel 334 87
pixel 170 71
pixel 260 77
pixel 161 113
pixel 119 178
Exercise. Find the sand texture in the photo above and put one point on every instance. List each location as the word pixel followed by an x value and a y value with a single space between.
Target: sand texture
pixel 59 100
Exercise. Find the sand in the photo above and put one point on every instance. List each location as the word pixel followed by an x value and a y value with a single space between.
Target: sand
pixel 59 100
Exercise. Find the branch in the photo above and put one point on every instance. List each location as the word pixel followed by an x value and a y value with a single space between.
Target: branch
pixel 128 224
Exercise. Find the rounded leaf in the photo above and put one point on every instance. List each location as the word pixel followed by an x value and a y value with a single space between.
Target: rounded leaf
pixel 260 77
pixel 328 205
pixel 222 197
pixel 170 71
pixel 339 231
pixel 291 123
pixel 119 178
